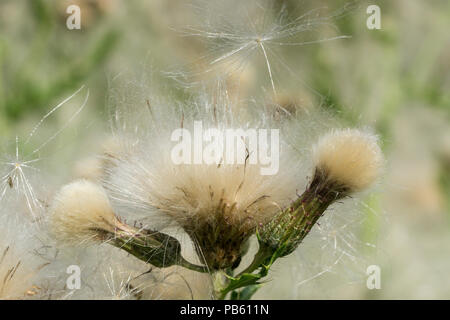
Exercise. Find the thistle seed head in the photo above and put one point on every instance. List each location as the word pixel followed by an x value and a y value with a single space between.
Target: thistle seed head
pixel 217 204
pixel 79 211
pixel 346 161
pixel 349 159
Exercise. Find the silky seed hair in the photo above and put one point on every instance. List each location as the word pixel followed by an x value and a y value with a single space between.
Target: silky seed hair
pixel 143 178
pixel 20 263
pixel 349 157
pixel 79 211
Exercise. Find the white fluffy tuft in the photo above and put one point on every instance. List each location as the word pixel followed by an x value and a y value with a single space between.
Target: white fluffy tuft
pixel 350 157
pixel 20 259
pixel 144 180
pixel 79 209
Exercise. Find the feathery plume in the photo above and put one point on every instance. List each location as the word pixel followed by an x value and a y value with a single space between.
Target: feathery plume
pixel 79 211
pixel 217 204
pixel 20 265
pixel 256 27
pixel 349 158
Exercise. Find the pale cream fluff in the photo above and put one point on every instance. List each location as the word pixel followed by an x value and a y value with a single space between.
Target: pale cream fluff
pixel 218 204
pixel 79 210
pixel 19 262
pixel 350 157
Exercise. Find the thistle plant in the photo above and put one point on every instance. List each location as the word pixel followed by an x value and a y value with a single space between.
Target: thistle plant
pixel 218 205
pixel 346 161
pixel 217 199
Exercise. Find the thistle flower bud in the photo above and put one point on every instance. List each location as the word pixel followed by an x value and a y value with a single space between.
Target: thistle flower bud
pixel 82 212
pixel 79 211
pixel 349 158
pixel 346 161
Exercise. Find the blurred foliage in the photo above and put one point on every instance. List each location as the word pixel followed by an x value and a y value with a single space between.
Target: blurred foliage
pixel 45 70
pixel 444 181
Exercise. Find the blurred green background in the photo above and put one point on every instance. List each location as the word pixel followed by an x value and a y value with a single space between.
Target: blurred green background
pixel 396 80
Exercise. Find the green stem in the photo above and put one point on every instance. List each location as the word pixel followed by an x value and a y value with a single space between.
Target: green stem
pixel 279 238
pixel 156 248
pixel 194 267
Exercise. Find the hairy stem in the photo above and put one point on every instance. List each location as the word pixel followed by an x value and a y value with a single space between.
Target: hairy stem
pixel 156 248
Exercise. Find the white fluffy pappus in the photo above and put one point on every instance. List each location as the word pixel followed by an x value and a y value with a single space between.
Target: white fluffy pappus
pixel 79 210
pixel 219 203
pixel 145 179
pixel 350 157
pixel 15 275
pixel 236 32
pixel 20 262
